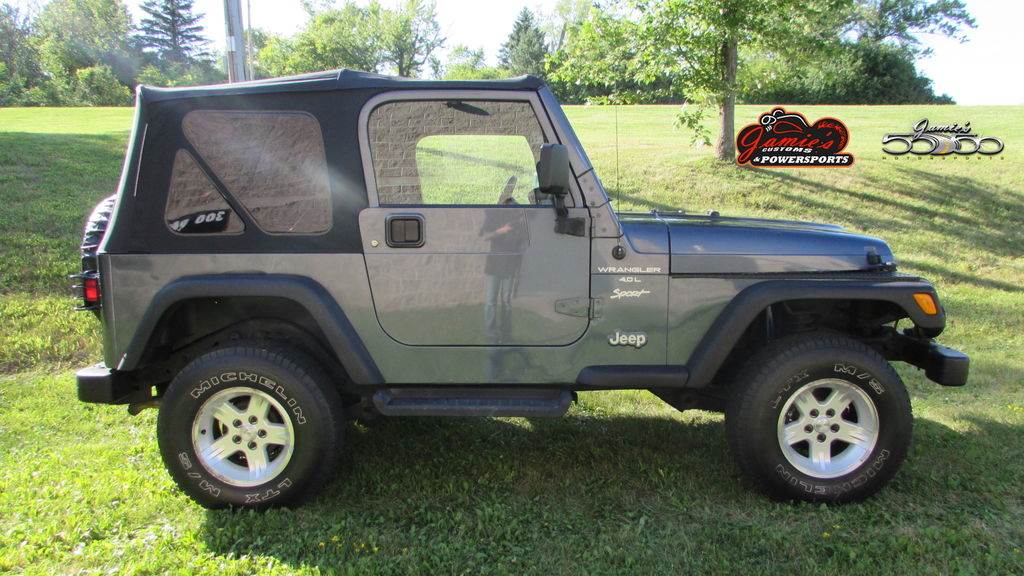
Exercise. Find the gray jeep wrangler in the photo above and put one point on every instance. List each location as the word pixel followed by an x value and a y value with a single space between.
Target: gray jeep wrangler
pixel 284 255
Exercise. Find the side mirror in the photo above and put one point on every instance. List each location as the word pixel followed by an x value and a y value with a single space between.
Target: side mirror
pixel 553 172
pixel 553 176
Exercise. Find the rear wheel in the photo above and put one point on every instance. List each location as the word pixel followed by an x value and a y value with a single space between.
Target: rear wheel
pixel 246 426
pixel 819 417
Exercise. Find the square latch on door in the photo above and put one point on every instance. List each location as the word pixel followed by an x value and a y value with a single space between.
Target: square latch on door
pixel 405 231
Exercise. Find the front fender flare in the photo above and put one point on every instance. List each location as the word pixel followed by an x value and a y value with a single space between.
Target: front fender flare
pixel 306 292
pixel 721 337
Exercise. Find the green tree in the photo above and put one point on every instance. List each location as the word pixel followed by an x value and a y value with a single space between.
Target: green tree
pixel 409 35
pixel 601 64
pixel 11 87
pixel 870 59
pixel 172 29
pixel 345 37
pixel 314 7
pixel 697 43
pixel 368 38
pixel 524 51
pixel 19 59
pixel 563 20
pixel 76 34
pixel 258 39
pixel 175 74
pixel 900 21
pixel 467 64
pixel 860 72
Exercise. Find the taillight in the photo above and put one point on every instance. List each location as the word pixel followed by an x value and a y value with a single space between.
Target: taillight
pixel 91 291
pixel 90 288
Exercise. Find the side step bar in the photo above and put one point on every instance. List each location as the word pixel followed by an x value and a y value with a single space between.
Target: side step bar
pixel 472 402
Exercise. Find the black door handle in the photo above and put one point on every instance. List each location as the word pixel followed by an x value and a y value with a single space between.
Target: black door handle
pixel 404 230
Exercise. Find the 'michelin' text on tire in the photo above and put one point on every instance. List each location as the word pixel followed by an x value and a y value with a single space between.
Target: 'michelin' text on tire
pixel 247 426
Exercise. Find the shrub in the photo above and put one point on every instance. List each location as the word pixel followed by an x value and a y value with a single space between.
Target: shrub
pixel 98 86
pixel 846 73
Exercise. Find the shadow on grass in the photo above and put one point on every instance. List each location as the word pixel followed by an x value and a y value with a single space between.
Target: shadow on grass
pixel 410 481
pixel 978 281
pixel 958 207
pixel 447 494
pixel 983 215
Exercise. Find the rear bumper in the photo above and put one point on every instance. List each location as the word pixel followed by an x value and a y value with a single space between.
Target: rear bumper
pixel 941 365
pixel 101 385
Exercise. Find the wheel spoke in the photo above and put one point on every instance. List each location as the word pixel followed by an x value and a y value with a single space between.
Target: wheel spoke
pixel 276 434
pixel 854 434
pixel 257 459
pixel 220 449
pixel 794 433
pixel 258 407
pixel 806 402
pixel 226 413
pixel 821 454
pixel 838 400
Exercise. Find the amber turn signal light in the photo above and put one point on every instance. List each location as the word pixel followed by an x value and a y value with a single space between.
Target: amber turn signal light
pixel 926 302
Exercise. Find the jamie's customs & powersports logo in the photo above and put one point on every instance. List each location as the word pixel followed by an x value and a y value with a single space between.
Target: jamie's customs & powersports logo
pixel 782 139
pixel 944 140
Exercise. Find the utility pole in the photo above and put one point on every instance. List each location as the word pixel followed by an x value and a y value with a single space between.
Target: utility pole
pixel 250 54
pixel 236 44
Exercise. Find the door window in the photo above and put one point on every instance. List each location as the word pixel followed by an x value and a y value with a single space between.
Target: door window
pixel 455 152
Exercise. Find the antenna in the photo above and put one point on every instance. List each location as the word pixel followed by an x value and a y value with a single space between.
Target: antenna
pixel 618 192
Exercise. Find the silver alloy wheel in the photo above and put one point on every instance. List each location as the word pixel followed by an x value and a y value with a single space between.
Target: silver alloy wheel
pixel 828 428
pixel 243 437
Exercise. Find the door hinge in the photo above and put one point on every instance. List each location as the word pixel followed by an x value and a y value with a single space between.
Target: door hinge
pixel 582 307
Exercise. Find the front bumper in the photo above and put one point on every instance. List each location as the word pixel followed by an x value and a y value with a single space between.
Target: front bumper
pixel 101 385
pixel 941 365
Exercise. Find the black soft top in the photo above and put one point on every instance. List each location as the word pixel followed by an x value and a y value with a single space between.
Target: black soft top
pixel 334 80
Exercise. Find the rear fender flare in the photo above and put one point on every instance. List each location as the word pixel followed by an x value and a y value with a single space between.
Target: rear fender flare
pixel 341 336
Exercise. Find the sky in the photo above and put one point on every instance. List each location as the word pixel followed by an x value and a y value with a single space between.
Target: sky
pixel 984 70
pixel 473 23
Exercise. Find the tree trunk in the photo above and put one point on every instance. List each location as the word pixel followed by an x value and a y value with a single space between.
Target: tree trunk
pixel 725 148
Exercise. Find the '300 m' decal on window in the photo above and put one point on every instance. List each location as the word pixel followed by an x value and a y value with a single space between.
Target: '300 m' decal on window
pixel 207 222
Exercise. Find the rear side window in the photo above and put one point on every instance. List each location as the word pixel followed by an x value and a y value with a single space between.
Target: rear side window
pixel 272 163
pixel 194 205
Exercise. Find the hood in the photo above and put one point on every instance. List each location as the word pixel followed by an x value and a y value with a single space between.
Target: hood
pixel 722 245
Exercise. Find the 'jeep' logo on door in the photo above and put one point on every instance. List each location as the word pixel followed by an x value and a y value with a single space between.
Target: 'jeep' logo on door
pixel 634 339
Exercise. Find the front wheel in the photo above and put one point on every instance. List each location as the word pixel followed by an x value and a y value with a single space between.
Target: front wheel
pixel 819 417
pixel 250 427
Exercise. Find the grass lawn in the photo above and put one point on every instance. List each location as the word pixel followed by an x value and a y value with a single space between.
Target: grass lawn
pixel 623 484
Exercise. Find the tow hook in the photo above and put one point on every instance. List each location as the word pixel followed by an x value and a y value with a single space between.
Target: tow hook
pixel 135 407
